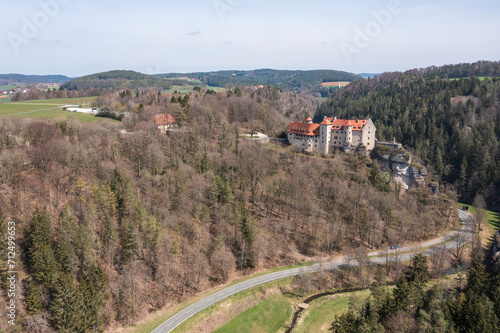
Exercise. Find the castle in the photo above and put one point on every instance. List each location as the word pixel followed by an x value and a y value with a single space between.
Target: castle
pixel 332 134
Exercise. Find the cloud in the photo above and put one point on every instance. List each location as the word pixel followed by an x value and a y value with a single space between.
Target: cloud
pixel 228 42
pixel 59 41
pixel 193 33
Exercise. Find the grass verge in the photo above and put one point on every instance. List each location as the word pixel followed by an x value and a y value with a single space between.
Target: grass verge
pixel 321 312
pixel 148 326
pixel 227 302
pixel 268 316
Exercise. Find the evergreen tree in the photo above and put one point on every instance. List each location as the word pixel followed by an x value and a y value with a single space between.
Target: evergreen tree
pixel 3 237
pixel 38 246
pixel 67 306
pixel 93 286
pixel 33 299
pixel 477 279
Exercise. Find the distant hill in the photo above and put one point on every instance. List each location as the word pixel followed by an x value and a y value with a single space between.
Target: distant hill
pixel 367 75
pixel 31 79
pixel 116 79
pixel 287 79
pixel 476 69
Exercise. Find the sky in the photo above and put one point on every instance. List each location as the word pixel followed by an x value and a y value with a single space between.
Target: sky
pixel 80 37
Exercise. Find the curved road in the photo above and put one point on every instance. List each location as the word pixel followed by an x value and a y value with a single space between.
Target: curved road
pixel 464 235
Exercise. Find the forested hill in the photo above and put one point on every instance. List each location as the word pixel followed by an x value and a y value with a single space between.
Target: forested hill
pixel 29 79
pixel 116 79
pixel 286 79
pixel 454 125
pixel 477 69
pixel 128 223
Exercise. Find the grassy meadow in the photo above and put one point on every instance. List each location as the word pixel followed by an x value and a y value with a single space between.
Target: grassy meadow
pixel 268 316
pixel 47 109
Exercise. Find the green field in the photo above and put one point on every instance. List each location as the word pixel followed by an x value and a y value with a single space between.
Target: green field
pixel 481 78
pixel 220 306
pixel 62 115
pixel 491 218
pixel 48 109
pixel 268 316
pixel 62 101
pixel 10 109
pixel 321 312
pixel 5 100
pixel 189 88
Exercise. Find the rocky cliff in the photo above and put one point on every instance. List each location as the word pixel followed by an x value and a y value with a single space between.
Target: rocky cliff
pixel 402 170
pixel 496 245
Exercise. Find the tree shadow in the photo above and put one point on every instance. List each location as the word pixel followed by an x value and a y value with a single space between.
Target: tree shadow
pixel 494 220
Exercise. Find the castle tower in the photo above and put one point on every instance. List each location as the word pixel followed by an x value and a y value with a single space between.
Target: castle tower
pixel 348 133
pixel 325 131
pixel 309 120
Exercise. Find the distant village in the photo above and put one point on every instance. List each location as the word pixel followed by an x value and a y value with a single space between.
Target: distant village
pixel 25 90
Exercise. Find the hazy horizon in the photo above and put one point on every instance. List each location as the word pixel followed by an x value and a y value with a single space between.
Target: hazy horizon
pixel 80 37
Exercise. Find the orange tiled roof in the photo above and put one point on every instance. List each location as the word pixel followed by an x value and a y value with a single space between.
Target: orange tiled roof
pixel 304 129
pixel 326 121
pixel 349 123
pixel 164 119
pixel 357 125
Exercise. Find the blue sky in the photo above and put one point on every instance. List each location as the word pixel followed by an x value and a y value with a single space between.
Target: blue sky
pixel 79 37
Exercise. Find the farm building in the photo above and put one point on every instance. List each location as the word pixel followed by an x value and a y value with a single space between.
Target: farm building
pixel 164 121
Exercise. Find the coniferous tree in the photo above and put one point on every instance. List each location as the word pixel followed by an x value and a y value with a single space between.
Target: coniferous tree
pixel 33 299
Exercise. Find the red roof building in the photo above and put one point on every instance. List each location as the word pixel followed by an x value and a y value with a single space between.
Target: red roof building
pixel 332 133
pixel 164 121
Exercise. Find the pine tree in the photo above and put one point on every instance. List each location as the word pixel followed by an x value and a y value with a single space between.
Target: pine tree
pixel 3 237
pixel 67 306
pixel 65 251
pixel 38 246
pixel 418 273
pixel 477 279
pixel 33 299
pixel 93 286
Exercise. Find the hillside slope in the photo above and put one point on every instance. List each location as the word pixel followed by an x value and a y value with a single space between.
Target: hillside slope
pixel 286 79
pixel 116 79
pixel 31 79
pixel 453 125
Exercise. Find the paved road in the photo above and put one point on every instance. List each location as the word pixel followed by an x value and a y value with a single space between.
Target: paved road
pixel 465 234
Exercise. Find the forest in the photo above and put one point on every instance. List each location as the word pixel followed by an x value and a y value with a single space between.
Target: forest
pixel 453 125
pixel 114 225
pixel 116 79
pixel 6 79
pixel 416 306
pixel 476 69
pixel 303 81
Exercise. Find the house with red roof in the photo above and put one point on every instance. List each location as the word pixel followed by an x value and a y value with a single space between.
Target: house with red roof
pixel 164 121
pixel 332 134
